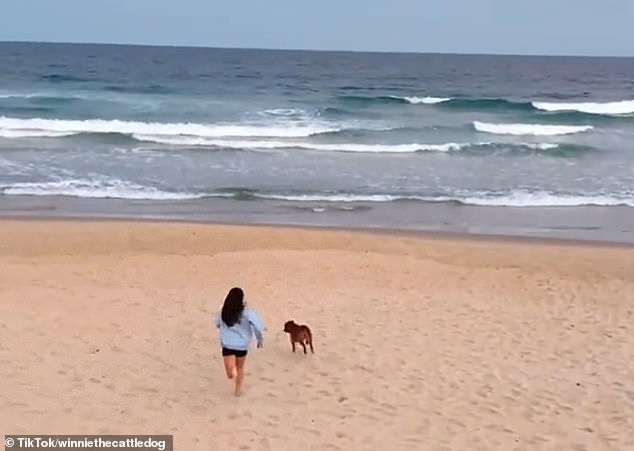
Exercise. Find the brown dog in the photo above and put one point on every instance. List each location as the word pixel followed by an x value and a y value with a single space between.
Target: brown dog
pixel 299 333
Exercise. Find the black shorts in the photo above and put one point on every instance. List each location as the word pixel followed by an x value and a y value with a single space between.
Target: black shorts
pixel 227 351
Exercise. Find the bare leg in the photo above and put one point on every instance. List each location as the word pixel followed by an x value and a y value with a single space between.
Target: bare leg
pixel 230 366
pixel 240 361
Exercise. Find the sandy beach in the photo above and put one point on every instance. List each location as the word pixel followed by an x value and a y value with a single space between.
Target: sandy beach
pixel 421 343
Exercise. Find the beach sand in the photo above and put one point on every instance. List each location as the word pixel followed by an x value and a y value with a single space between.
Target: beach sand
pixel 421 343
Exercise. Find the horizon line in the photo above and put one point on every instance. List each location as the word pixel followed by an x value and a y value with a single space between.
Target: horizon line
pixel 316 50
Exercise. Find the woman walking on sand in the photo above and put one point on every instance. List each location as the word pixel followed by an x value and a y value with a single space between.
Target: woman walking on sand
pixel 236 325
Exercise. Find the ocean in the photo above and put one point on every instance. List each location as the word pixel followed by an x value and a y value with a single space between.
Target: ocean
pixel 532 146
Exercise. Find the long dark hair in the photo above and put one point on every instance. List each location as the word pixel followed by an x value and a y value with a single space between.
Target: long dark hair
pixel 233 306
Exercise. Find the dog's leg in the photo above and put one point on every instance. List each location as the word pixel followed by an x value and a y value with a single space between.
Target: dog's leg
pixel 293 344
pixel 310 341
pixel 303 346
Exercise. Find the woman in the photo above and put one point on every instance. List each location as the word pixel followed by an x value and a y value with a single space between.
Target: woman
pixel 236 324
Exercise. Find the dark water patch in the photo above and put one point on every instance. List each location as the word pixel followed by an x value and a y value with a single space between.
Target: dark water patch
pixel 336 112
pixel 38 100
pixel 523 149
pixel 139 89
pixel 25 111
pixel 560 96
pixel 61 78
pixel 369 101
pixel 351 113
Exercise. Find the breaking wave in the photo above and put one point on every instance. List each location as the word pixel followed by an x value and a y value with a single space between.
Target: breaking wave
pixel 341 147
pixel 100 189
pixel 119 189
pixel 624 107
pixel 530 129
pixel 484 104
pixel 31 128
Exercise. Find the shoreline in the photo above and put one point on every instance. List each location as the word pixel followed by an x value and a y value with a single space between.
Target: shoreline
pixel 385 231
pixel 602 226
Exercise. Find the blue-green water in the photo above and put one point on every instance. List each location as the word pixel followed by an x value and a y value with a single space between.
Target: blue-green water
pixel 313 128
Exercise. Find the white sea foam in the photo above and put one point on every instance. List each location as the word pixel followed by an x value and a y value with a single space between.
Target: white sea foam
pixel 387 148
pixel 514 199
pixel 24 133
pixel 530 129
pixel 271 144
pixel 284 112
pixel 118 189
pixel 424 100
pixel 161 129
pixel 343 147
pixel 115 189
pixel 520 198
pixel 540 146
pixel 335 197
pixel 623 107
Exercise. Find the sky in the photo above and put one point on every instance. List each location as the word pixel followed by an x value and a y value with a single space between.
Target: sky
pixel 544 27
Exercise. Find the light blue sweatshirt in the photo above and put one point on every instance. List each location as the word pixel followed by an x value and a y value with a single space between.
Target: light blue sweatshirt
pixel 238 336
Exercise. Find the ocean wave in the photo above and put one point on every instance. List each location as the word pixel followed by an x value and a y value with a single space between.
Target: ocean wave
pixel 521 198
pixel 25 133
pixel 343 197
pixel 607 109
pixel 530 129
pixel 517 198
pixel 474 104
pixel 486 104
pixel 392 99
pixel 370 100
pixel 100 189
pixel 623 107
pixel 269 137
pixel 424 100
pixel 282 143
pixel 341 147
pixel 119 189
pixel 46 126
